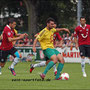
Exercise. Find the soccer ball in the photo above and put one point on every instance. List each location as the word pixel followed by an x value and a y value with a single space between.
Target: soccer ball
pixel 64 76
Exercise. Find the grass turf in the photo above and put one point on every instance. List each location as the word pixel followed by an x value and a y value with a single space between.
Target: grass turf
pixel 25 80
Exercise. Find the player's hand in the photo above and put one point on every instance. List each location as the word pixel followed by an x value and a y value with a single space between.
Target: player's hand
pixel 21 36
pixel 25 34
pixel 60 45
pixel 67 30
pixel 55 46
pixel 36 35
pixel 76 46
pixel 34 49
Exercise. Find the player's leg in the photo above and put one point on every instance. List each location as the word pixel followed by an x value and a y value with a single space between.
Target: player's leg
pixel 3 58
pixel 82 54
pixel 41 64
pixel 60 65
pixel 54 67
pixel 51 55
pixel 55 70
pixel 17 56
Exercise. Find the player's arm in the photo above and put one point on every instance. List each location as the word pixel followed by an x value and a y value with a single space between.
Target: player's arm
pixel 1 37
pixel 34 45
pixel 76 42
pixel 62 29
pixel 75 38
pixel 17 35
pixel 39 37
pixel 36 35
pixel 16 38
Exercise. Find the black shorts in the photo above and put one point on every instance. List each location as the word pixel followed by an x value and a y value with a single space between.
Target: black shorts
pixel 4 54
pixel 46 58
pixel 84 50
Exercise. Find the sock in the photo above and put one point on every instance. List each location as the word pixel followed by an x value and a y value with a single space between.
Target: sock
pixel 59 69
pixel 54 67
pixel 41 64
pixel 0 68
pixel 83 64
pixel 16 60
pixel 48 67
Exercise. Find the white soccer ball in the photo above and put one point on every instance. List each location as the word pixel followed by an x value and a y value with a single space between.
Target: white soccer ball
pixel 64 76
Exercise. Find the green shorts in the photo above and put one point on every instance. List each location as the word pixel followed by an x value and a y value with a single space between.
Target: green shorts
pixel 50 52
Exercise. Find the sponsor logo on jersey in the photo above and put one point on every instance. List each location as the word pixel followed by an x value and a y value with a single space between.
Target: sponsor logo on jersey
pixel 86 29
pixel 84 36
pixel 9 33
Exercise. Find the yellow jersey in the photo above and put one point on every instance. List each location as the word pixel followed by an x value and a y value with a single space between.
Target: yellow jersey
pixel 45 38
pixel 15 31
pixel 14 36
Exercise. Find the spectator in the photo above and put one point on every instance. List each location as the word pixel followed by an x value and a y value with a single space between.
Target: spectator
pixel 26 41
pixel 20 43
pixel 67 37
pixel 31 42
pixel 63 38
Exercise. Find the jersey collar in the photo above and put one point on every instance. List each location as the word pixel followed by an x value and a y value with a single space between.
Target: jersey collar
pixel 8 26
pixel 83 27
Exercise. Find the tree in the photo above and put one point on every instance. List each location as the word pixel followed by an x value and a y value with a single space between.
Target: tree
pixel 86 10
pixel 63 11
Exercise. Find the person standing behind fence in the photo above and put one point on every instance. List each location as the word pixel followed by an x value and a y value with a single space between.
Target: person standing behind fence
pixel 82 38
pixel 7 48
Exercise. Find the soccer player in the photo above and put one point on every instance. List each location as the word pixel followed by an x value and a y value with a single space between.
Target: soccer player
pixel 82 39
pixel 7 48
pixel 45 38
pixel 43 63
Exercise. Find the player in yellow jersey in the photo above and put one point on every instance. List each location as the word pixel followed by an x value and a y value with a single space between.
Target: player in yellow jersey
pixel 45 38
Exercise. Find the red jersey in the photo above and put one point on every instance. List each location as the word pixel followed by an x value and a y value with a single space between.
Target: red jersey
pixel 7 32
pixel 83 34
pixel 26 40
pixel 56 36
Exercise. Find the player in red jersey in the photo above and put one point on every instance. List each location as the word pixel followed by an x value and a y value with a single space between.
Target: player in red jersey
pixel 82 39
pixel 7 48
pixel 44 63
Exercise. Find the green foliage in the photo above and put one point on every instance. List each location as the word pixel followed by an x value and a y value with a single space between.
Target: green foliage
pixel 86 10
pixel 63 11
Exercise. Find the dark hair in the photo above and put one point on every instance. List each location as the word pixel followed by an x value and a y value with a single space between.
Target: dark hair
pixel 11 20
pixel 50 19
pixel 55 22
pixel 82 17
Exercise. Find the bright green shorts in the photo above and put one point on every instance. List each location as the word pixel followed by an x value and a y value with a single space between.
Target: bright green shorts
pixel 50 52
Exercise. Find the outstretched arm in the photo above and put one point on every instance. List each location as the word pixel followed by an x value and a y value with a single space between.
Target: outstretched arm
pixel 16 38
pixel 17 35
pixel 62 29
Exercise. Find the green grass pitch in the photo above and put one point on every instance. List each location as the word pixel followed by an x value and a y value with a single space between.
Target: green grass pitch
pixel 25 80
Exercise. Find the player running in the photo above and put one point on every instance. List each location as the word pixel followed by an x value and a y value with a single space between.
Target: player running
pixel 7 48
pixel 45 38
pixel 82 38
pixel 44 63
